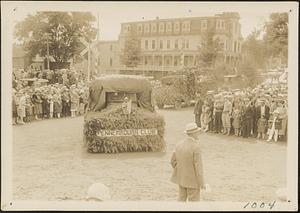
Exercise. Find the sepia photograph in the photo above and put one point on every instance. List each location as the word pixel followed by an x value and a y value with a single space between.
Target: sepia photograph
pixel 133 105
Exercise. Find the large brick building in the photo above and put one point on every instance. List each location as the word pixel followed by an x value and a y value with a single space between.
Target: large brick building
pixel 169 44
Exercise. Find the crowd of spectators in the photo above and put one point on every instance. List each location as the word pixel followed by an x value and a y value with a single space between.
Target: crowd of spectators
pixel 48 94
pixel 260 112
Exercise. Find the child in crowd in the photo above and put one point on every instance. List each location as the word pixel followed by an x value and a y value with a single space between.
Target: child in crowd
pixel 74 100
pixel 57 105
pixel 50 100
pixel 206 118
pixel 236 121
pixel 261 127
pixel 37 101
pixel 29 109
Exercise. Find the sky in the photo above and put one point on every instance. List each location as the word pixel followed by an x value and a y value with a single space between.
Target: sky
pixel 112 14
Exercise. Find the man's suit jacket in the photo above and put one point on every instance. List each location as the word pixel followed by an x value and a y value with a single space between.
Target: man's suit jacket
pixel 187 164
pixel 198 107
pixel 258 112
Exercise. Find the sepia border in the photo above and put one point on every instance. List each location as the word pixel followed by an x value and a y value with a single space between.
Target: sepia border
pixel 7 203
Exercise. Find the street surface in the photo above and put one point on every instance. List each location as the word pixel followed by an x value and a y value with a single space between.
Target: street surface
pixel 50 164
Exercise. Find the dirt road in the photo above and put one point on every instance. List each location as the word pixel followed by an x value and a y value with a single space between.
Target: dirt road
pixel 49 164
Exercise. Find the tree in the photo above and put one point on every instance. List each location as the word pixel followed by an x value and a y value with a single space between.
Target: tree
pixel 250 72
pixel 131 52
pixel 209 50
pixel 254 58
pixel 276 35
pixel 254 49
pixel 65 30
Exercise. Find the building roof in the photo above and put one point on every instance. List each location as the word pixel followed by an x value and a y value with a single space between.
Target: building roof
pixel 108 41
pixel 223 15
pixel 18 51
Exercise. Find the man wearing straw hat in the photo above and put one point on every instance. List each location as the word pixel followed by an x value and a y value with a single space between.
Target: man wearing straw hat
pixel 187 165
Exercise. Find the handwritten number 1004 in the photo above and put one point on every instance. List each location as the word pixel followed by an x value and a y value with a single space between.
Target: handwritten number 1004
pixel 260 205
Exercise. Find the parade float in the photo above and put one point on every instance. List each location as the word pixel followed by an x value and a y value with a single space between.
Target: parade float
pixel 173 91
pixel 121 116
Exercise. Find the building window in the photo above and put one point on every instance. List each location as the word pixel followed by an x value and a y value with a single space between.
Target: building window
pixel 218 24
pixel 183 27
pixel 169 27
pixel 153 44
pixel 146 44
pixel 161 27
pixel 147 28
pixel 221 45
pixel 177 27
pixel 175 60
pixel 167 61
pixel 161 44
pixel 186 26
pixel 160 61
pixel 111 47
pixel 235 46
pixel 111 62
pixel 146 60
pixel 128 29
pixel 187 44
pixel 153 28
pixel 176 44
pixel 168 44
pixel 140 29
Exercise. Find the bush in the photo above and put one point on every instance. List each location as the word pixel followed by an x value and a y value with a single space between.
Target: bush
pixel 112 118
pixel 174 89
pixel 167 95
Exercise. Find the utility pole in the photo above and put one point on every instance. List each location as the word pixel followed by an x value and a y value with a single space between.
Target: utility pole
pixel 98 32
pixel 48 61
pixel 89 62
pixel 98 38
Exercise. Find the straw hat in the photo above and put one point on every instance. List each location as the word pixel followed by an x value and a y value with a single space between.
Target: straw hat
pixel 210 92
pixel 99 192
pixel 191 128
pixel 263 99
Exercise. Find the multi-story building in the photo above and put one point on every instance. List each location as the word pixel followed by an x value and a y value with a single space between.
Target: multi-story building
pixel 170 44
pixel 109 60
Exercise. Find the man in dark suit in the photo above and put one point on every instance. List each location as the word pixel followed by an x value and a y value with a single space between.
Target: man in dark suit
pixel 198 111
pixel 187 165
pixel 262 111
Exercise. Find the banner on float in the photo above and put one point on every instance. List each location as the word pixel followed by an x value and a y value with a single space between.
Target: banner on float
pixel 127 132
